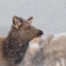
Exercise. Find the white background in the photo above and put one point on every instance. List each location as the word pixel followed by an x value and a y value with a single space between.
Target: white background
pixel 49 15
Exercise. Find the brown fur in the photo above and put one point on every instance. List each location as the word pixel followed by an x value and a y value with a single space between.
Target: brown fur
pixel 14 46
pixel 2 61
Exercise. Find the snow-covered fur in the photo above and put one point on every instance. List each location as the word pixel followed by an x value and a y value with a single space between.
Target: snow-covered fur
pixel 47 51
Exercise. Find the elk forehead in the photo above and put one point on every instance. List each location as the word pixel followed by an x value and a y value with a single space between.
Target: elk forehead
pixel 26 25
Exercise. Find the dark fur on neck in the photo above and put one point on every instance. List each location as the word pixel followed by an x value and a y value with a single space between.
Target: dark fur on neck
pixel 13 52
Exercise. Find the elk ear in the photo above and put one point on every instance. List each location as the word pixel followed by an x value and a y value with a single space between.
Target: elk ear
pixel 30 19
pixel 16 22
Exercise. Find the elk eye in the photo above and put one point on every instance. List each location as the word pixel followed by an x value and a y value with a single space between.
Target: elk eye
pixel 27 27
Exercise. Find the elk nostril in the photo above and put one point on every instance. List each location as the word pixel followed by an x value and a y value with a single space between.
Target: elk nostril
pixel 40 33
